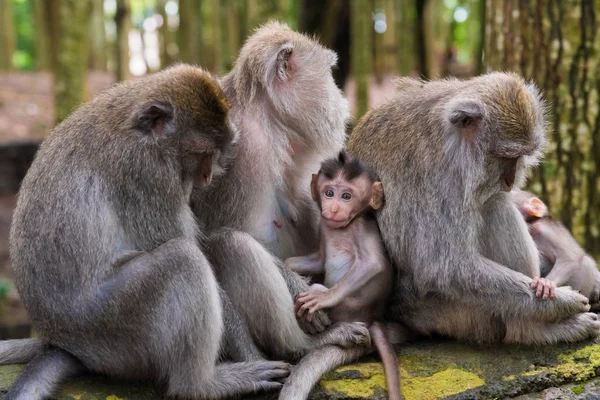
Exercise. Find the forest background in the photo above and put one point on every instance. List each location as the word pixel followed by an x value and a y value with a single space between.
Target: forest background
pixel 56 54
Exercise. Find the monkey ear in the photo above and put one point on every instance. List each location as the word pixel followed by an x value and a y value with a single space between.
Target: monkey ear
pixel 536 208
pixel 153 117
pixel 285 63
pixel 314 190
pixel 377 197
pixel 466 116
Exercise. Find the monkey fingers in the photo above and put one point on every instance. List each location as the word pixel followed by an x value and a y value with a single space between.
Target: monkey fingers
pixel 545 288
pixel 311 302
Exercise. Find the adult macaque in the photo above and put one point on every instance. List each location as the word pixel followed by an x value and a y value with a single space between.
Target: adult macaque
pixel 563 261
pixel 447 153
pixel 104 244
pixel 290 115
pixel 357 275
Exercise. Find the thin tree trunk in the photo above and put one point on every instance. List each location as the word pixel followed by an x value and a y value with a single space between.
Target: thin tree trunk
pixel 217 35
pixel 557 44
pixel 41 36
pixel 70 76
pixel 98 38
pixel 224 11
pixel 165 37
pixel 404 16
pixel 7 35
pixel 188 35
pixel 123 24
pixel 360 19
pixel 421 39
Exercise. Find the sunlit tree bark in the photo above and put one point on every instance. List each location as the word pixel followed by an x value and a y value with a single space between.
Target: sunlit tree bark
pixel 557 44
pixel 361 24
pixel 7 35
pixel 123 24
pixel 70 74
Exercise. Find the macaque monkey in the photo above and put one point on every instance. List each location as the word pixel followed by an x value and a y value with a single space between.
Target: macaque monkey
pixel 563 261
pixel 448 153
pixel 104 245
pixel 358 277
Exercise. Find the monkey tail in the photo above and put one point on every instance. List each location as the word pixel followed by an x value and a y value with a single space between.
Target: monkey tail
pixel 43 374
pixel 388 356
pixel 18 351
pixel 317 362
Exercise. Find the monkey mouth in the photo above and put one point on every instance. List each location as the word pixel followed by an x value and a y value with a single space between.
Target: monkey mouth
pixel 335 224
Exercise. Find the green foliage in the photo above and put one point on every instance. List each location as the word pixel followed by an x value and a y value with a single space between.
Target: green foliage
pixel 23 17
pixel 5 287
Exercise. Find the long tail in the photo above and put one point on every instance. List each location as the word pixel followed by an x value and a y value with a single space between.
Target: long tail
pixel 18 351
pixel 316 363
pixel 43 374
pixel 390 363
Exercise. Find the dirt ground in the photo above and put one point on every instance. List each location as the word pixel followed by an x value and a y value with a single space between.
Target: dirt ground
pixel 27 112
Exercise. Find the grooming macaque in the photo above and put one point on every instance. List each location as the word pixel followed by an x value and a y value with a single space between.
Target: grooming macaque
pixel 448 152
pixel 357 275
pixel 563 261
pixel 104 244
pixel 290 115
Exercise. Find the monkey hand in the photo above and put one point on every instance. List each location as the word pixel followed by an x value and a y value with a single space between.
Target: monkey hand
pixel 545 288
pixel 313 301
pixel 567 303
pixel 319 321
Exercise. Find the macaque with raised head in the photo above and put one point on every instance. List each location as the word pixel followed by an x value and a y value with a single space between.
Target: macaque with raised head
pixel 448 152
pixel 357 274
pixel 563 261
pixel 290 116
pixel 104 245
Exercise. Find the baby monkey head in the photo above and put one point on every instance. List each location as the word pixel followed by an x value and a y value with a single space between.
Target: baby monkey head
pixel 345 188
pixel 529 205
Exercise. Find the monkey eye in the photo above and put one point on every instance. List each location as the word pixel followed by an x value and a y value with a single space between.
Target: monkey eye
pixel 346 196
pixel 329 193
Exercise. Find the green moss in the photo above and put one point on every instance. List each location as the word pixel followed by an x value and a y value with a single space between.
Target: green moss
pixel 441 384
pixel 578 389
pixel 367 379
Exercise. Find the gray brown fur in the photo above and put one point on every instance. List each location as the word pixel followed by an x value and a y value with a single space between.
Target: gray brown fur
pixel 464 257
pixel 104 243
pixel 290 115
pixel 563 261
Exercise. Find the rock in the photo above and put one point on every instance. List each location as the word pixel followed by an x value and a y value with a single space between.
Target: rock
pixel 430 369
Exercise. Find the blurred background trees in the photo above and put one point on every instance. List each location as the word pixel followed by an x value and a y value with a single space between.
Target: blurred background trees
pixel 79 47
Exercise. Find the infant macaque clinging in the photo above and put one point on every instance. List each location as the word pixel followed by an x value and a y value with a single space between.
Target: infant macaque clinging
pixel 563 261
pixel 357 274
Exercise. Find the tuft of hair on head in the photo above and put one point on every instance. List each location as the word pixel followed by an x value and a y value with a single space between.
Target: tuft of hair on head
pixel 349 167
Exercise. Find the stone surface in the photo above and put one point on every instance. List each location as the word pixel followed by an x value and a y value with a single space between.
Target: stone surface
pixel 430 369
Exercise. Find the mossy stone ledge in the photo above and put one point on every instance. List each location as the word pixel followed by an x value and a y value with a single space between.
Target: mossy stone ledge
pixel 430 369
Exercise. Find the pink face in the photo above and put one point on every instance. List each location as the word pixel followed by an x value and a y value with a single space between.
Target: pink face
pixel 341 200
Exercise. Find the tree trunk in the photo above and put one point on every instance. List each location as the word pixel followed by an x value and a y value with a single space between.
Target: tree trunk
pixel 189 34
pixel 360 20
pixel 557 44
pixel 217 35
pixel 165 37
pixel 123 24
pixel 70 76
pixel 97 59
pixel 403 22
pixel 421 39
pixel 41 36
pixel 7 35
pixel 329 20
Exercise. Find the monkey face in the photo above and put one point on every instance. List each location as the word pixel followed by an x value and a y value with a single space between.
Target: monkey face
pixel 342 200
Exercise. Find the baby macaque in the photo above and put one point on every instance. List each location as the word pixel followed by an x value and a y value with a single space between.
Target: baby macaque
pixel 357 274
pixel 564 262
